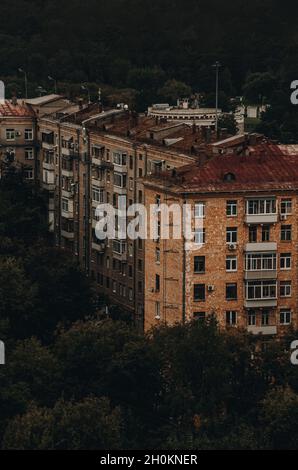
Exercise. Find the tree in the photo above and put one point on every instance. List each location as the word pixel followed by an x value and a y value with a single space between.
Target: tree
pixel 91 424
pixel 228 122
pixel 173 89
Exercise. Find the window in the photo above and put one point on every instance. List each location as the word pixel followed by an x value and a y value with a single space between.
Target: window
pixel 285 317
pixel 265 233
pixel 231 208
pixel 231 317
pixel 260 261
pixel 252 318
pixel 130 294
pixel 199 292
pixel 285 260
pixel 114 287
pixel 200 316
pixel 119 158
pixel 10 134
pixel 231 235
pixel 29 153
pixel 285 288
pixel 131 162
pixel 252 234
pixel 65 205
pixel 157 310
pixel 231 263
pixel 286 206
pixel 157 255
pixel 231 291
pixel 199 210
pixel 119 247
pixel 29 174
pixel 199 264
pixel 120 180
pixel 200 236
pixel 97 194
pixel 258 290
pixel 265 318
pixel 261 206
pixel 157 283
pixel 131 184
pixel 28 134
pixel 286 233
pixel 140 265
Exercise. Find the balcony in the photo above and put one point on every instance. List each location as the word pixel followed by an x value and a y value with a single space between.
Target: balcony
pixel 99 247
pixel 260 247
pixel 260 303
pixel 261 218
pixel 262 330
pixel 48 186
pixel 260 274
pixel 102 164
pixel 261 210
pixel 50 166
pixel 68 235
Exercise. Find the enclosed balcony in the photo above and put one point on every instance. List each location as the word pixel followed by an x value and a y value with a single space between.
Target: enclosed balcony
pixel 261 211
pixel 260 266
pixel 260 293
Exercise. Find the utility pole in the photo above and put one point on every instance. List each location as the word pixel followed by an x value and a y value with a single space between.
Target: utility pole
pixel 55 83
pixel 26 81
pixel 217 66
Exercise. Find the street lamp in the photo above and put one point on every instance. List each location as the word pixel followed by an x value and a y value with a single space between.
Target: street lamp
pixel 26 81
pixel 85 88
pixel 217 66
pixel 41 90
pixel 55 83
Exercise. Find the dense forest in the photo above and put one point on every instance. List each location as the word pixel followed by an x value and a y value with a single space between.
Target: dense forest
pixel 75 379
pixel 157 50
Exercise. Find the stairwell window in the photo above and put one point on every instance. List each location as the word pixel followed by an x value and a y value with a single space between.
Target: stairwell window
pixel 200 236
pixel 199 292
pixel 200 210
pixel 157 283
pixel 199 264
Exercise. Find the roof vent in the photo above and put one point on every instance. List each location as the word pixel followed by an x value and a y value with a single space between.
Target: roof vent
pixel 229 177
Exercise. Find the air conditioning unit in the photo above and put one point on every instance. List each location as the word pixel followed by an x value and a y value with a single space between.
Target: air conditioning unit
pixel 211 288
pixel 283 216
pixel 232 246
pixel 18 134
pixel 157 317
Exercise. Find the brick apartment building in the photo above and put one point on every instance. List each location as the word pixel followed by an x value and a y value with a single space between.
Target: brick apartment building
pixel 242 265
pixel 84 155
pixel 90 156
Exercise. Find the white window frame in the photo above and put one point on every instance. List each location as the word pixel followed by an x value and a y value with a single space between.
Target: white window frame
pixel 285 261
pixel 232 206
pixel 231 260
pixel 263 206
pixel 28 134
pixel 10 134
pixel 287 316
pixel 200 210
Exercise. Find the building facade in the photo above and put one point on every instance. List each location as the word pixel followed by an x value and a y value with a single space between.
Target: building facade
pixel 241 265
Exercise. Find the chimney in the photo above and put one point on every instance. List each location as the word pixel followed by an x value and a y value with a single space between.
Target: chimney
pixel 14 100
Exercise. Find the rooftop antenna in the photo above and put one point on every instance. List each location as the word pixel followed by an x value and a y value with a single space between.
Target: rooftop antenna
pixel 26 81
pixel 217 66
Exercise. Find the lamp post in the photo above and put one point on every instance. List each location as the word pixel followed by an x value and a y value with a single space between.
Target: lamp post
pixel 85 88
pixel 26 81
pixel 55 83
pixel 217 66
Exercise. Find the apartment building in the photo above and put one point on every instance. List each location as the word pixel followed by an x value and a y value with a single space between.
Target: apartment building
pixel 18 137
pixel 241 265
pixel 90 156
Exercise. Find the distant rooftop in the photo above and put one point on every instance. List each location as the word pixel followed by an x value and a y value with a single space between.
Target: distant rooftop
pixel 41 100
pixel 18 109
pixel 266 167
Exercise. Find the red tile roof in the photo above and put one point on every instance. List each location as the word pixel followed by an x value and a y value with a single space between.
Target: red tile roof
pixel 266 167
pixel 8 109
